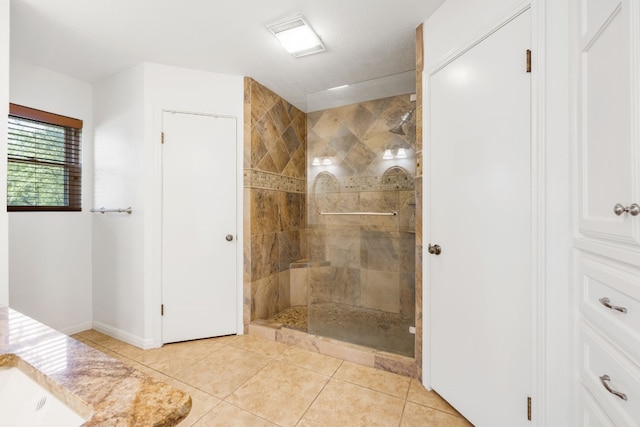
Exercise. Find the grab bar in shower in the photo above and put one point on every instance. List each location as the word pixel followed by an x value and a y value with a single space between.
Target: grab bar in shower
pixel 119 210
pixel 361 213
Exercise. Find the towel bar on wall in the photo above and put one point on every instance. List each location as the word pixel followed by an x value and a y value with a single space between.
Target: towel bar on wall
pixel 119 210
pixel 361 213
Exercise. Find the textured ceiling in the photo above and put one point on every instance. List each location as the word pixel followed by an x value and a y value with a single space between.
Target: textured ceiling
pixel 92 39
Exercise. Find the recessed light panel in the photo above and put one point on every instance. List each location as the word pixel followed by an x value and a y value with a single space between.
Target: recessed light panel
pixel 297 37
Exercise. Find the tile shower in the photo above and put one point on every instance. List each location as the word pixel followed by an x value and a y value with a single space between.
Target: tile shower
pixel 361 221
pixel 311 264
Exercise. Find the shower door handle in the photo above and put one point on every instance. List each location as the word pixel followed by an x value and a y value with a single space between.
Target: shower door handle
pixel 434 249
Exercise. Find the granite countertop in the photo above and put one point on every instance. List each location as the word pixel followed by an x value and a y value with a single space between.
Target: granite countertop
pixel 95 385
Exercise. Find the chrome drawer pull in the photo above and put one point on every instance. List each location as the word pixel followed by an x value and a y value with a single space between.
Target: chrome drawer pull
pixel 604 379
pixel 605 301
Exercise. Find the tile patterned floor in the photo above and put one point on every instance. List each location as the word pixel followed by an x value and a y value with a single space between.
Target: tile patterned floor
pixel 249 381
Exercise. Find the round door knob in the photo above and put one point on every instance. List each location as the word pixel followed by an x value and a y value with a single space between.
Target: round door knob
pixel 229 237
pixel 633 210
pixel 434 249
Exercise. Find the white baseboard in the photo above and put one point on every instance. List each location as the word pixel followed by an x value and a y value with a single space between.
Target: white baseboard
pixel 118 334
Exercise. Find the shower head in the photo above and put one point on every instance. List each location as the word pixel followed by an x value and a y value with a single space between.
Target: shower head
pixel 404 119
pixel 398 129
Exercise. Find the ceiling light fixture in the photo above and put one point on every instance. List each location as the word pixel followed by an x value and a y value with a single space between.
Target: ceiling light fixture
pixel 297 36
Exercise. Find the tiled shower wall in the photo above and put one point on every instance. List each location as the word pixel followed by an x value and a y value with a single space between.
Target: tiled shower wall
pixel 274 199
pixel 372 257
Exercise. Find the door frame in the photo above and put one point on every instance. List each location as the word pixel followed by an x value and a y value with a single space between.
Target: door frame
pixel 153 227
pixel 546 388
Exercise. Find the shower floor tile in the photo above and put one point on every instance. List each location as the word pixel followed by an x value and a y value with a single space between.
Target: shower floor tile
pixel 357 325
pixel 249 381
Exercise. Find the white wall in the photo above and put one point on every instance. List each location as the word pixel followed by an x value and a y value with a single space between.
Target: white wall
pixel 128 110
pixel 118 251
pixel 4 111
pixel 453 25
pixel 50 252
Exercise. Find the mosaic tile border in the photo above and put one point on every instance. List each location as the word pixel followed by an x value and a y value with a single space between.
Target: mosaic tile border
pixel 270 181
pixel 357 184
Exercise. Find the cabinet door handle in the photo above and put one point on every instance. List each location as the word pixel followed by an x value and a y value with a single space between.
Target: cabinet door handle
pixel 603 380
pixel 633 210
pixel 605 301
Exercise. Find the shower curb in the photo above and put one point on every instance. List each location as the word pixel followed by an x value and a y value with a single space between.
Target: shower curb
pixel 365 356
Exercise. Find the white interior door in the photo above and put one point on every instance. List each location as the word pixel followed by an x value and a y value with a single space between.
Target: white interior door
pixel 479 211
pixel 198 216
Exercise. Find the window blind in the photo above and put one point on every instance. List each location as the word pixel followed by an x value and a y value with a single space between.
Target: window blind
pixel 44 161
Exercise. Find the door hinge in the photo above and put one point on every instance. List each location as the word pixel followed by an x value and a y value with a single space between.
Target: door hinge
pixel 528 60
pixel 161 309
pixel 529 408
pixel 162 137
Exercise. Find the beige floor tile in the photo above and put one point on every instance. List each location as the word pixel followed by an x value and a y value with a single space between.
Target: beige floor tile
pixel 375 379
pixel 173 367
pixel 192 350
pixel 226 415
pixel 227 339
pixel 420 416
pixel 345 404
pixel 201 402
pixel 94 345
pixel 92 335
pixel 224 371
pixel 112 344
pixel 419 394
pixel 175 358
pixel 259 345
pixel 122 348
pixel 102 339
pixel 113 354
pixel 149 371
pixel 78 337
pixel 280 392
pixel 317 362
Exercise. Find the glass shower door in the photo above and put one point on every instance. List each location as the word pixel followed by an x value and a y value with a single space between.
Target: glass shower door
pixel 361 224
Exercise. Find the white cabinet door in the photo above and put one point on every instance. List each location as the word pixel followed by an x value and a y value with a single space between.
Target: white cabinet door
pixel 479 212
pixel 607 134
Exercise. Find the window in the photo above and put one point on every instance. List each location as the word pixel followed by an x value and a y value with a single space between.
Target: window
pixel 44 162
